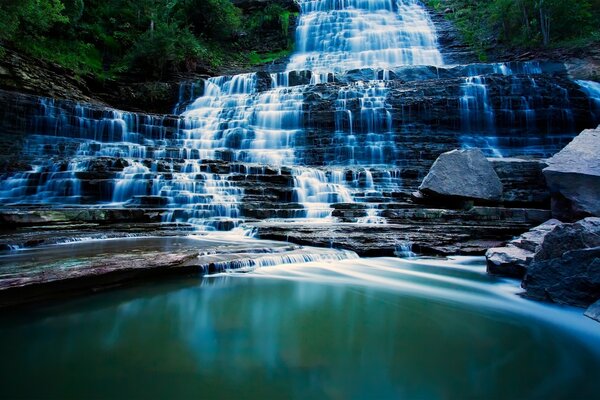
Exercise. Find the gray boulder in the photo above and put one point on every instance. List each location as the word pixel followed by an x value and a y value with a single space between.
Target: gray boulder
pixel 573 176
pixel 464 174
pixel 513 259
pixel 593 311
pixel 566 268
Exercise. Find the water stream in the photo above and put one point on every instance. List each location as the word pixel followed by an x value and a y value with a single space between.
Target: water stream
pixel 355 329
pixel 300 323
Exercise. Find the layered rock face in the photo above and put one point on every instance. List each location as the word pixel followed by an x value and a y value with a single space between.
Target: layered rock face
pixel 355 153
pixel 513 259
pixel 342 137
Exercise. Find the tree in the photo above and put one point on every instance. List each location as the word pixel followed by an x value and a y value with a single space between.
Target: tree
pixel 29 17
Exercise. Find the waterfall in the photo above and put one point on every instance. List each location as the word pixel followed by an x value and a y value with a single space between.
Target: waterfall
pixel 253 141
pixel 233 121
pixel 592 89
pixel 337 36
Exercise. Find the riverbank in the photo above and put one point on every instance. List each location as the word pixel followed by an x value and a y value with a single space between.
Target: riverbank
pixel 85 265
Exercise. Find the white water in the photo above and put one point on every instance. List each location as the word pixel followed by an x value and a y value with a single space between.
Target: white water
pixel 592 89
pixel 337 36
pixel 255 123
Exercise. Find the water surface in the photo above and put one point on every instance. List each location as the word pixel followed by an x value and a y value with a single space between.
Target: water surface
pixel 355 329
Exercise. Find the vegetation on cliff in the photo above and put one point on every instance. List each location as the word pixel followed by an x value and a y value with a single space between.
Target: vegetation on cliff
pixel 144 37
pixel 485 24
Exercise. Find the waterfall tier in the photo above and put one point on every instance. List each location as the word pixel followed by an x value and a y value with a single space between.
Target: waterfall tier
pixel 335 36
pixel 346 133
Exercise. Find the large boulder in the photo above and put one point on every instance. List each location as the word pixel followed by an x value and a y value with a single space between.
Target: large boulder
pixel 513 259
pixel 573 176
pixel 463 174
pixel 566 268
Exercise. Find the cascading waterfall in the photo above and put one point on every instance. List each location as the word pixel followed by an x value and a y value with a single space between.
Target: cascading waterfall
pixel 374 120
pixel 233 131
pixel 337 36
pixel 233 122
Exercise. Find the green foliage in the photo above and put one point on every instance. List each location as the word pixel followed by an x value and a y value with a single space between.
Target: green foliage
pixel 273 16
pixel 215 19
pixel 164 45
pixel 149 37
pixel 255 58
pixel 523 23
pixel 83 58
pixel 29 17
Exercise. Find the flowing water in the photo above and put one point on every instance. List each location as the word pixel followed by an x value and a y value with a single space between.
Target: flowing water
pixel 341 327
pixel 260 124
pixel 371 328
pixel 337 36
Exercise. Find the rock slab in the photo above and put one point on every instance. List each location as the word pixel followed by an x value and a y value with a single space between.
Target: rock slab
pixel 566 268
pixel 464 174
pixel 513 259
pixel 593 311
pixel 573 176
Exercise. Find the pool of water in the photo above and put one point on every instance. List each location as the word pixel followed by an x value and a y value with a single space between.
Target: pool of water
pixel 353 329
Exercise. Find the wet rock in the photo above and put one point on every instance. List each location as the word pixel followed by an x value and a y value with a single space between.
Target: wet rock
pixel 90 275
pixel 566 268
pixel 593 311
pixel 263 81
pixel 508 261
pixel 462 173
pixel 15 218
pixel 148 201
pixel 296 78
pixel 431 231
pixel 573 176
pixel 523 182
pixel 513 259
pixel 452 45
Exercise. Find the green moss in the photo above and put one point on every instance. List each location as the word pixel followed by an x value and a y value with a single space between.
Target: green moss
pixel 82 58
pixel 255 58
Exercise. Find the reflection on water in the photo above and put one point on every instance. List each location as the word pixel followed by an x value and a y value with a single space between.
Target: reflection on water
pixel 374 328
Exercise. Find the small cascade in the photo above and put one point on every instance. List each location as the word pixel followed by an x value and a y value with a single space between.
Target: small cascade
pixel 50 183
pixel 477 115
pixel 316 191
pixel 372 217
pixel 507 119
pixel 296 256
pixel 131 182
pixel 364 136
pixel 404 249
pixel 592 89
pixel 205 200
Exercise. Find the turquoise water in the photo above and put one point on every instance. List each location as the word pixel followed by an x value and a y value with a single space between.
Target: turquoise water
pixel 355 329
